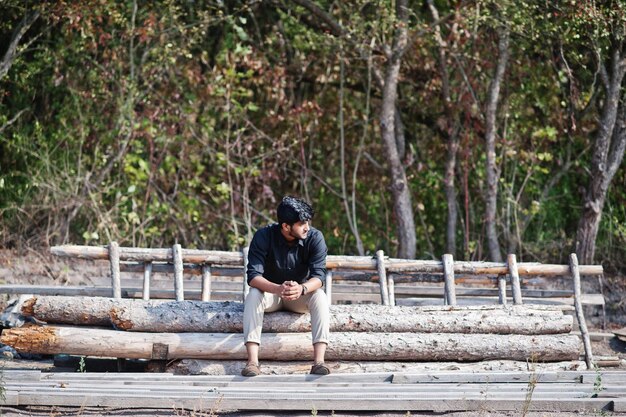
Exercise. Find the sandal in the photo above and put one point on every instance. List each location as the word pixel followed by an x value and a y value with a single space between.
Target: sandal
pixel 251 369
pixel 320 369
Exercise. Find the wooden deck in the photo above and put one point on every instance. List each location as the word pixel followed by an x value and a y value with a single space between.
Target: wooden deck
pixel 546 391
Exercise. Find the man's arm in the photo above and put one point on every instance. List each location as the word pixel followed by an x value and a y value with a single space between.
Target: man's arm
pixel 317 260
pixel 265 285
pixel 317 270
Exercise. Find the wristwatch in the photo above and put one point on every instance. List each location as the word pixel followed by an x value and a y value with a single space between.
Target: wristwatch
pixel 304 290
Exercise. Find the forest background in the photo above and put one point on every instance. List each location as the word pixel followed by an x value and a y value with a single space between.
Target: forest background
pixel 476 128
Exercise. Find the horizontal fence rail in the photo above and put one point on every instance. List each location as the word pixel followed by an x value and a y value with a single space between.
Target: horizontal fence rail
pixel 362 263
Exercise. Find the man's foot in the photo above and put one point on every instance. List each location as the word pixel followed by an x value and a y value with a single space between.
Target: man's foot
pixel 251 369
pixel 320 369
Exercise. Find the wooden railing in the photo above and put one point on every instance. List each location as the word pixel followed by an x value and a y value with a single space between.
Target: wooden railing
pixel 381 269
pixel 378 269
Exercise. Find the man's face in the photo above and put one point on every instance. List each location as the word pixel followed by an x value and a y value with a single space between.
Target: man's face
pixel 298 230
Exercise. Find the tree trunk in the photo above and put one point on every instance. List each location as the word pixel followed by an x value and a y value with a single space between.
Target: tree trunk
pixel 292 346
pixel 491 194
pixel 227 317
pixel 608 152
pixel 452 133
pixel 12 51
pixel 403 207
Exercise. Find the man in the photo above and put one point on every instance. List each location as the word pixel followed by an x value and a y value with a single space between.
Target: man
pixel 286 268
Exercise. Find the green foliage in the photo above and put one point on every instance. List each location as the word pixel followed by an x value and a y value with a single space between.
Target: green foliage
pixel 187 121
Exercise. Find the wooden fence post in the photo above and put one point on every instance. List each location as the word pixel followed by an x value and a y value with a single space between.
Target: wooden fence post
pixel 246 287
pixel 114 259
pixel 391 288
pixel 502 289
pixel 573 263
pixel 206 282
pixel 448 275
pixel 177 254
pixel 382 277
pixel 147 271
pixel 516 288
pixel 329 287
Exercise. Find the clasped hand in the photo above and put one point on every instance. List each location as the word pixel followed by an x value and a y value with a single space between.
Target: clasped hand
pixel 291 290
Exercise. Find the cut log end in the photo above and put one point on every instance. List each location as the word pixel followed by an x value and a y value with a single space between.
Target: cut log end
pixel 28 308
pixel 29 338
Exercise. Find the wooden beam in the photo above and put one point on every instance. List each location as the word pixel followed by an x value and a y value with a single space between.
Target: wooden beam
pixel 332 261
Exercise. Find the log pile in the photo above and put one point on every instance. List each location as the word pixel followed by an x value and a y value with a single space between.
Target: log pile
pixel 162 330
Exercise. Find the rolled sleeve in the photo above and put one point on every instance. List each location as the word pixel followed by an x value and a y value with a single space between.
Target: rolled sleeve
pixel 317 258
pixel 257 253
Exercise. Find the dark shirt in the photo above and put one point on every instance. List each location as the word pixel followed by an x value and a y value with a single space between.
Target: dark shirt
pixel 273 258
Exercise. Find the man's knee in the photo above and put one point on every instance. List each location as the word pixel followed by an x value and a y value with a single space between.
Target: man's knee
pixel 255 296
pixel 318 301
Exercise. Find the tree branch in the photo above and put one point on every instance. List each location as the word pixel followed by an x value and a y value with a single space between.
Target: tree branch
pixel 11 52
pixel 332 24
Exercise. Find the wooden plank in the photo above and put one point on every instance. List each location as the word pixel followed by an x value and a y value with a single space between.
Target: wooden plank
pixel 492 378
pixel 214 402
pixel 585 377
pixel 586 299
pixel 597 336
pixel 168 388
pixel 190 294
pixel 223 291
pixel 259 391
pixel 21 375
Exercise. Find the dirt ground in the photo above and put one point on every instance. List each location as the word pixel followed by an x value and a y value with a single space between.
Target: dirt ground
pixel 33 267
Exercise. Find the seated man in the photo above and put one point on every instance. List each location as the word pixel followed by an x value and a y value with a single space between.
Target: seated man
pixel 286 269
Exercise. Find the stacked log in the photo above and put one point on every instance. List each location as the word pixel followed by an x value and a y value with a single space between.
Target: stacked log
pixel 212 330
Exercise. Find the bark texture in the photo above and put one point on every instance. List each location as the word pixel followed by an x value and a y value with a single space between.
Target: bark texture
pixel 226 367
pixel 292 346
pixel 403 207
pixel 452 130
pixel 491 194
pixel 227 317
pixel 12 51
pixel 608 153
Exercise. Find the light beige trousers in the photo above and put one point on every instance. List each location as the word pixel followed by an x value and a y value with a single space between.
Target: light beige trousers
pixel 258 302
